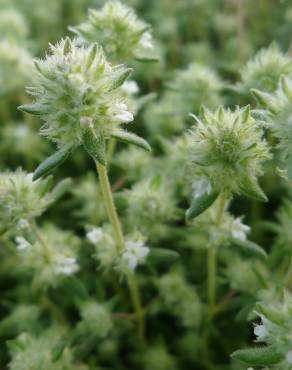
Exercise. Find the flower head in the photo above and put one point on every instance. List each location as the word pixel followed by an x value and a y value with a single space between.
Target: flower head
pixel 134 253
pixel 116 27
pixel 50 258
pixel 21 199
pixel 265 69
pixel 228 150
pixel 77 89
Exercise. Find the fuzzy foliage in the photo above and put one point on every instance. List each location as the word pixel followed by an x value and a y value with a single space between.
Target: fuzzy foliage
pixel 228 150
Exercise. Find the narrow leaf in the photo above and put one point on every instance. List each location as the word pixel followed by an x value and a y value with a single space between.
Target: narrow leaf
pixel 249 246
pixel 270 314
pixel 36 109
pixel 251 189
pixel 262 356
pixel 129 137
pixel 95 146
pixel 119 77
pixel 200 204
pixel 162 255
pixel 51 163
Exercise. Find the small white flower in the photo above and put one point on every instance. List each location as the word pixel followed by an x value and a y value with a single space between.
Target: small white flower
pixel 95 235
pixel 130 87
pixel 289 357
pixel 201 186
pixel 260 332
pixel 22 243
pixel 135 253
pixel 239 230
pixel 146 40
pixel 122 113
pixel 22 224
pixel 65 265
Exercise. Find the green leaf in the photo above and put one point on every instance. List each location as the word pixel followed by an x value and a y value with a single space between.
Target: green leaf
pixel 261 96
pixel 162 255
pixel 129 137
pixel 262 356
pixel 251 189
pixel 200 204
pixel 35 108
pixel 51 163
pixel 270 314
pixel 95 146
pixel 119 77
pixel 58 349
pixel 249 246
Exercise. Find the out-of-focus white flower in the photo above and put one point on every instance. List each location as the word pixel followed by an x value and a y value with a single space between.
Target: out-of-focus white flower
pixel 146 41
pixel 135 253
pixel 239 230
pixel 201 186
pixel 95 235
pixel 289 357
pixel 65 265
pixel 130 87
pixel 261 332
pixel 22 243
pixel 22 224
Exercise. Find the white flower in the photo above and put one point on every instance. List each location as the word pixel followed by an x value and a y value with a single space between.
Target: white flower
pixel 289 357
pixel 146 40
pixel 130 87
pixel 22 243
pixel 65 265
pixel 239 230
pixel 95 235
pixel 22 224
pixel 120 112
pixel 134 254
pixel 261 332
pixel 201 186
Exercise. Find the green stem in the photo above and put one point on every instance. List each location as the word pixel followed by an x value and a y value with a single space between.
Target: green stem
pixel 111 149
pixel 119 237
pixel 109 204
pixel 212 267
pixel 212 260
pixel 135 294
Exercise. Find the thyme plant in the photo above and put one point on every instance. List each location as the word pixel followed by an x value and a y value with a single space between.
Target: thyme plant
pixel 174 252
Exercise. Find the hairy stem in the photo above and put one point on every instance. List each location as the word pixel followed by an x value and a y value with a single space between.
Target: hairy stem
pixel 119 237
pixel 212 263
pixel 110 206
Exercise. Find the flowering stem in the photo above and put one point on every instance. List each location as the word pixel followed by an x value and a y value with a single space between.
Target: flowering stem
pixel 109 204
pixel 119 237
pixel 212 264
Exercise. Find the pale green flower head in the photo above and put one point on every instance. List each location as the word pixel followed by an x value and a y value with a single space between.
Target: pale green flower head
pixel 96 319
pixel 196 85
pixel 279 104
pixel 265 69
pixel 180 298
pixel 12 25
pixel 50 259
pixel 120 32
pixel 21 199
pixel 76 90
pixel 228 151
pixel 36 352
pixel 16 67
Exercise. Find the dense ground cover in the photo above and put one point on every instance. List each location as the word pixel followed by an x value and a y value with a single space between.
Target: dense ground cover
pixel 145 192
